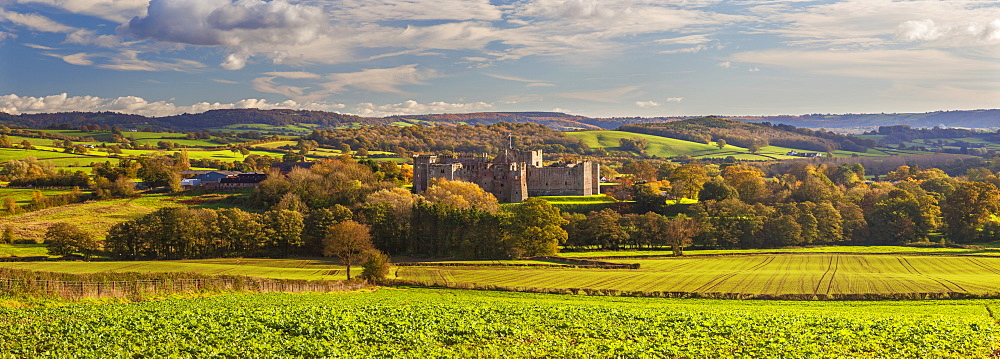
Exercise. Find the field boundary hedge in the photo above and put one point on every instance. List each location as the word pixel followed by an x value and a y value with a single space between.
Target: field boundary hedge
pixel 142 288
pixel 577 263
pixel 641 256
pixel 697 295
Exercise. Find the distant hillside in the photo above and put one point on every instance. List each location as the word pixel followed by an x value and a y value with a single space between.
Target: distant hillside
pixel 191 122
pixel 554 120
pixel 743 134
pixel 215 119
pixel 968 119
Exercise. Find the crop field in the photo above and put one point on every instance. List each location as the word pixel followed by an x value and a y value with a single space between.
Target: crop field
pixel 95 217
pixel 312 269
pixel 23 250
pixel 665 251
pixel 823 275
pixel 423 323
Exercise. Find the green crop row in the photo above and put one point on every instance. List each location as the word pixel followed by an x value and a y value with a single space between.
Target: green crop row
pixel 422 323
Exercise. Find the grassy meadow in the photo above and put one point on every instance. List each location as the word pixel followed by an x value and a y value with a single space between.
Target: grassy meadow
pixel 670 147
pixel 311 269
pixel 96 217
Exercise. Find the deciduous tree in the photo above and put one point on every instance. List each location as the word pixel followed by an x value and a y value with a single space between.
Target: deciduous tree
pixel 349 241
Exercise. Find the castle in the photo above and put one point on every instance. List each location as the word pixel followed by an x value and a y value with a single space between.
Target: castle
pixel 511 177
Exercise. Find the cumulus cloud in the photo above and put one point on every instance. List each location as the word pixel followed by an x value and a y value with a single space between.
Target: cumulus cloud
pixel 6 35
pixel 675 99
pixel 918 30
pixel 724 64
pixel 412 107
pixel 647 104
pixel 244 26
pixel 14 104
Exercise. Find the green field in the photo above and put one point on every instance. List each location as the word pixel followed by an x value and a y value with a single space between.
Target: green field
pixel 597 198
pixel 665 251
pixel 23 250
pixel 670 147
pixel 23 195
pixel 313 269
pixel 438 323
pixel 806 275
pixel 95 217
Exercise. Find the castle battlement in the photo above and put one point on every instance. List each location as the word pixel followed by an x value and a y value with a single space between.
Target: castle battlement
pixel 512 176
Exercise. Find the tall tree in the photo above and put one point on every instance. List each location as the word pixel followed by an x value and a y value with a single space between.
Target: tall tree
pixel 461 195
pixel 968 209
pixel 534 228
pixel 349 241
pixel 679 233
pixel 65 239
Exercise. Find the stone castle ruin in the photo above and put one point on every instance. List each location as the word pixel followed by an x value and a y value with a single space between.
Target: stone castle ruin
pixel 511 177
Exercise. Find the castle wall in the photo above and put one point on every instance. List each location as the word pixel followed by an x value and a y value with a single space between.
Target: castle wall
pixel 580 179
pixel 510 179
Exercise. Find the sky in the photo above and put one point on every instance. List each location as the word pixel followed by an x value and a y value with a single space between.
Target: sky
pixel 602 58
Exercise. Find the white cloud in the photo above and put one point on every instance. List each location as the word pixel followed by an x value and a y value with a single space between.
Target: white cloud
pixel 378 80
pixel 854 24
pixel 411 107
pixel 675 99
pixel 918 30
pixel 128 60
pixel 686 50
pixel 936 65
pixel 6 35
pixel 88 37
pixel 267 84
pixel 724 64
pixel 387 10
pixel 34 22
pixel 228 82
pixel 293 74
pixel 646 104
pixel 245 27
pixel 37 46
pixel 531 83
pixel 117 11
pixel 79 59
pixel 14 104
pixel 614 95
pixel 686 40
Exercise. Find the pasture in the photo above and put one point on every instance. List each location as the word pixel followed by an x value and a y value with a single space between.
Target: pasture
pixel 96 217
pixel 312 269
pixel 760 275
pixel 442 323
pixel 670 147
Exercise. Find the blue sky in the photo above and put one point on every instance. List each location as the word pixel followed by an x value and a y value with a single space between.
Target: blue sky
pixel 588 57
